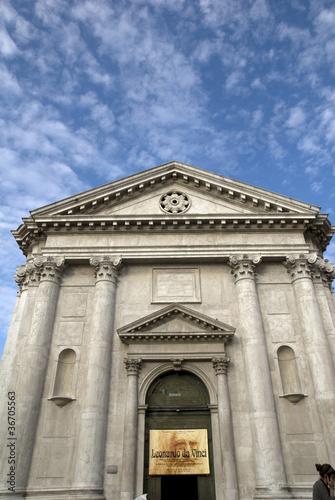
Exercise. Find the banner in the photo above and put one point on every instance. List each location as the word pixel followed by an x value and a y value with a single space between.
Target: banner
pixel 180 451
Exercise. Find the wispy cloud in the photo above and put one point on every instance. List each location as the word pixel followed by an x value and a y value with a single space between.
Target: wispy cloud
pixel 93 90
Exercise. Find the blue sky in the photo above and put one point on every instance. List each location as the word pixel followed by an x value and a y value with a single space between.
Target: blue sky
pixel 92 91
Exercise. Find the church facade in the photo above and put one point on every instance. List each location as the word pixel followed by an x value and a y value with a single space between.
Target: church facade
pixel 174 332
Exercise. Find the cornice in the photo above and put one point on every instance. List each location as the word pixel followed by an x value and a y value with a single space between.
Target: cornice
pixel 37 228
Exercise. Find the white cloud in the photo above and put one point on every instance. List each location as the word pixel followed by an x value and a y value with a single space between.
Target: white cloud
pixel 8 81
pixel 316 186
pixel 296 35
pixel 257 83
pixel 103 116
pixel 7 46
pixel 297 118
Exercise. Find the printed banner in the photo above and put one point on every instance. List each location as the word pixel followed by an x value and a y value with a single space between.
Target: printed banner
pixel 181 451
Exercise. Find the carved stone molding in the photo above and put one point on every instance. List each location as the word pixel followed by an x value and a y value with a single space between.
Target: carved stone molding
pixel 106 269
pixel 243 266
pixel 220 364
pixel 300 266
pixel 133 365
pixel 50 268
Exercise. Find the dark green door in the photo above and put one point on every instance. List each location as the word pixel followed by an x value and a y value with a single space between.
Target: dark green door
pixel 178 400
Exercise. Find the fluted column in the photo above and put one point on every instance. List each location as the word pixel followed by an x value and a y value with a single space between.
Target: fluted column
pixel 315 342
pixel 269 464
pixel 230 485
pixel 27 277
pixel 35 360
pixel 93 419
pixel 128 483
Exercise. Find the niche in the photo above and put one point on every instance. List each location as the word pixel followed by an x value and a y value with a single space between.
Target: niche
pixel 63 391
pixel 289 374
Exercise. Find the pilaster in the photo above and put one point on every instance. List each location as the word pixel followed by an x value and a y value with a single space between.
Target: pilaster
pixel 128 481
pixel 220 365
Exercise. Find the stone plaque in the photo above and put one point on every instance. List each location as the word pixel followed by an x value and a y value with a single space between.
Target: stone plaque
pixel 176 285
pixel 179 451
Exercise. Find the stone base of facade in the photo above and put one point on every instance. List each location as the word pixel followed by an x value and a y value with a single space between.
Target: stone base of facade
pixel 302 492
pixel 59 494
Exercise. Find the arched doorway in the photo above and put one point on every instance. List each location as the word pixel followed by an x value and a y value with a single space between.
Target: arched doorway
pixel 178 401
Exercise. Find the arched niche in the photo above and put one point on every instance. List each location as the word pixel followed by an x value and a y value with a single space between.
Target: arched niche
pixel 63 390
pixel 289 374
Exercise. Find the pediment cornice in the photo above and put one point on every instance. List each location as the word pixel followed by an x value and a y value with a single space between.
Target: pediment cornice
pixel 156 327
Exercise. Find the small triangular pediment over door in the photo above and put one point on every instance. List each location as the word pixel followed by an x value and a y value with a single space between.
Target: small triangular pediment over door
pixel 176 323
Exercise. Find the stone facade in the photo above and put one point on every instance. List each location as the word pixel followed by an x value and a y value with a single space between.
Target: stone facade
pixel 173 270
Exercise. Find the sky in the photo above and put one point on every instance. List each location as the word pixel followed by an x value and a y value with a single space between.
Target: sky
pixel 94 90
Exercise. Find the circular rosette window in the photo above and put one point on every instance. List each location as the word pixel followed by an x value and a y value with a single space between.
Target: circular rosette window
pixel 175 202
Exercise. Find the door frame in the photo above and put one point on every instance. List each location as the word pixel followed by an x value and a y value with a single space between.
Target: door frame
pixel 159 368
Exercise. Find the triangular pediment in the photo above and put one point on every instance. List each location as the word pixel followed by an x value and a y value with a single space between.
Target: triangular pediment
pixel 173 196
pixel 176 323
pixel 209 193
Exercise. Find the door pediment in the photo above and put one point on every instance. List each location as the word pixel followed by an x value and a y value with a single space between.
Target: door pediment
pixel 176 323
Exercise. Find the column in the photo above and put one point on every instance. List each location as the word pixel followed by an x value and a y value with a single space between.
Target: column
pixel 230 486
pixel 90 458
pixel 128 481
pixel 316 343
pixel 27 277
pixel 269 464
pixel 34 362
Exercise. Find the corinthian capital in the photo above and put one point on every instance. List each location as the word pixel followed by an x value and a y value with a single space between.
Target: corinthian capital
pixel 105 268
pixel 300 266
pixel 50 268
pixel 243 265
pixel 133 365
pixel 221 364
pixel 27 275
pixel 323 272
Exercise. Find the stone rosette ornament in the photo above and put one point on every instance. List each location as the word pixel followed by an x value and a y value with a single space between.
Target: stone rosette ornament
pixel 174 202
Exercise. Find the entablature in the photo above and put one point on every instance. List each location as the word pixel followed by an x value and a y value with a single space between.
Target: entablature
pixel 35 229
